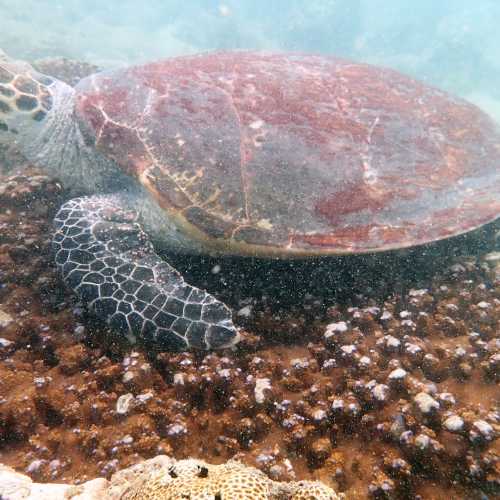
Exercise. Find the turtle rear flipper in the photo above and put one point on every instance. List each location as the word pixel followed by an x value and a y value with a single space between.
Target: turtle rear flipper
pixel 108 260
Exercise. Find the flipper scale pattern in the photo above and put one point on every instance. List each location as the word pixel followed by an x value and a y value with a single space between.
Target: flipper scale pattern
pixel 109 261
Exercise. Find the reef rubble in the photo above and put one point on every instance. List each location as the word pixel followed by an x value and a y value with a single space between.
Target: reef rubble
pixel 382 382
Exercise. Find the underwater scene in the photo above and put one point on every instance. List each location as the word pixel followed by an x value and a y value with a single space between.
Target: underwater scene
pixel 249 250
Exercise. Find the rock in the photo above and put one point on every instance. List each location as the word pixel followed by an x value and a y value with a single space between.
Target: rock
pixel 446 399
pixel 364 362
pixel 380 392
pixel 246 311
pixel 5 342
pixel 422 441
pixel 15 486
pixel 425 403
pixel 484 429
pixel 335 329
pixel 389 343
pixel 348 350
pixel 5 319
pixel 492 259
pixel 79 332
pixel 454 424
pixel 386 316
pixel 124 404
pixel 483 305
pixel 176 430
pixel 261 385
pixel 128 377
pixel 397 375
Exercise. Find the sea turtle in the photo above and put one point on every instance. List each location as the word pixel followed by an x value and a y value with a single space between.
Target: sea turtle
pixel 243 153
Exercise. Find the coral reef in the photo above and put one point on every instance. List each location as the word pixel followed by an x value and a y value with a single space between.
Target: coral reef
pixel 382 383
pixel 163 478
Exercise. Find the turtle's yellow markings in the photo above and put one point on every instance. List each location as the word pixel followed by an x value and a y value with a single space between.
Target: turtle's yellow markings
pixel 107 120
pixel 185 179
pixel 148 179
pixel 212 198
pixel 184 182
pixel 264 224
pixel 236 229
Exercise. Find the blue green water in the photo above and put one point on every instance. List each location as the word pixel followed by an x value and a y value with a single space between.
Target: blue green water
pixel 454 44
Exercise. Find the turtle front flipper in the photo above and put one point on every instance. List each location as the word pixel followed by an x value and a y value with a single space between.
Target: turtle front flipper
pixel 108 260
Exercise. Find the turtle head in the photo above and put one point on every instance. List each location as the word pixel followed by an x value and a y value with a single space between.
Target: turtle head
pixel 36 116
pixel 25 97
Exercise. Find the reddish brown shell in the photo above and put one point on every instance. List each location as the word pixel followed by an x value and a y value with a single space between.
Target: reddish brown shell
pixel 297 154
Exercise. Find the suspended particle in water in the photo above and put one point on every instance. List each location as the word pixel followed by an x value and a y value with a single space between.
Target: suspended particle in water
pixel 224 10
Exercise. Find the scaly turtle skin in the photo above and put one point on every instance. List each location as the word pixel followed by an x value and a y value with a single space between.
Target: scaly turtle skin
pixel 248 154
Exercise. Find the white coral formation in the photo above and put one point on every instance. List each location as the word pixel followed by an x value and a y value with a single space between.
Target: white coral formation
pixel 261 385
pixel 163 478
pixel 426 403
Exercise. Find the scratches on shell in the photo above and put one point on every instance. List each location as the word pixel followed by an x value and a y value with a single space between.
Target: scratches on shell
pixel 244 156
